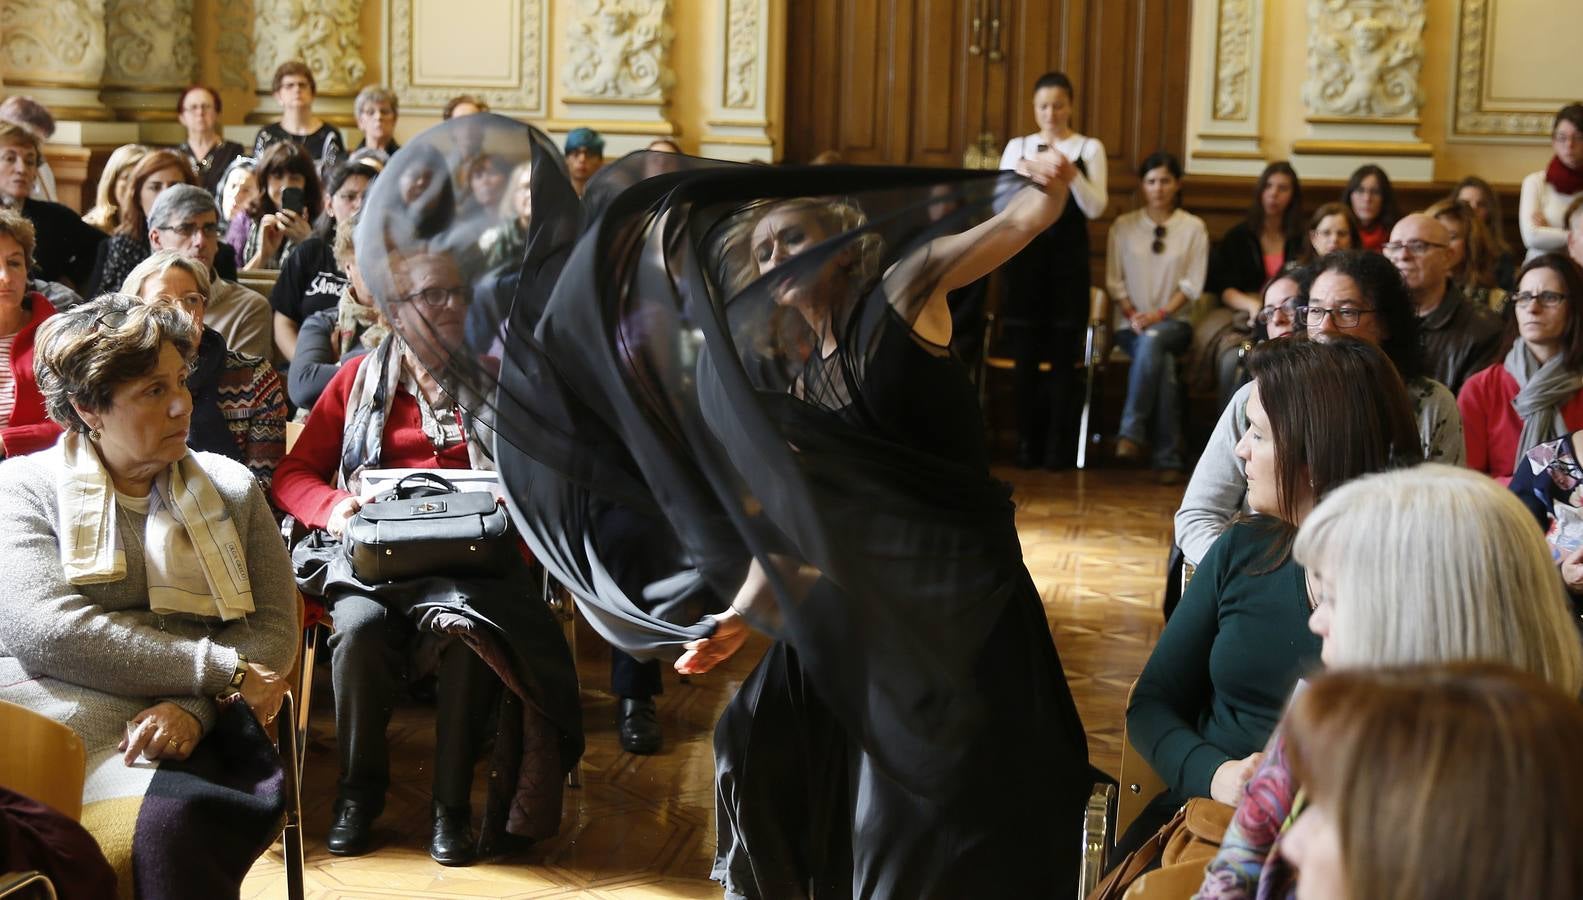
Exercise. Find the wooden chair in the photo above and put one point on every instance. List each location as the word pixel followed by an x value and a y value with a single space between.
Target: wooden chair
pixel 1111 810
pixel 1139 782
pixel 26 886
pixel 42 759
pixel 1181 880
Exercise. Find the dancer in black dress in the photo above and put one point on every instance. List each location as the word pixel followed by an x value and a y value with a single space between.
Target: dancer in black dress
pixel 758 359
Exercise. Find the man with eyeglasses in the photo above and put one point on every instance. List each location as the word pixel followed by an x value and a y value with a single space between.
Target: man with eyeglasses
pixel 1459 338
pixel 186 219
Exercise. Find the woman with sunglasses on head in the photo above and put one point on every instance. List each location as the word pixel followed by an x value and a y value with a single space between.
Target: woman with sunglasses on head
pixel 1154 269
pixel 1354 294
pixel 1535 394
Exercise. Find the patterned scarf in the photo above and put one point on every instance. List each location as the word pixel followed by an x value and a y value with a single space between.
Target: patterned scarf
pixel 356 323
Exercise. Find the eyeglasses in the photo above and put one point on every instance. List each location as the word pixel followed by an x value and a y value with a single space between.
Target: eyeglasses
pixel 198 107
pixel 111 320
pixel 1284 312
pixel 1344 316
pixel 1159 239
pixel 1415 247
pixel 188 302
pixel 1546 299
pixel 187 229
pixel 1316 596
pixel 13 158
pixel 436 297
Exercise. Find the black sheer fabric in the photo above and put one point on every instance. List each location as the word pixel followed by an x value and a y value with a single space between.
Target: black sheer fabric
pixel 736 353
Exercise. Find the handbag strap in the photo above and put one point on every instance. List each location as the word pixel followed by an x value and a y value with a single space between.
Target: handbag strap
pixel 405 488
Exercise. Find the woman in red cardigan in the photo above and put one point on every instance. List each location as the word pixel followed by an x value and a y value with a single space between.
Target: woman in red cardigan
pixel 23 425
pixel 1536 393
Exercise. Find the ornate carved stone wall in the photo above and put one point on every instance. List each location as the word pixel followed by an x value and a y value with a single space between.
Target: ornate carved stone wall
pixel 1233 59
pixel 743 25
pixel 1225 87
pixel 1364 58
pixel 56 49
pixel 150 43
pixel 234 45
pixel 619 50
pixel 325 34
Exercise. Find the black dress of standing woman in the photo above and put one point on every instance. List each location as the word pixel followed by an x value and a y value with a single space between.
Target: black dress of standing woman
pixel 1047 284
pixel 758 360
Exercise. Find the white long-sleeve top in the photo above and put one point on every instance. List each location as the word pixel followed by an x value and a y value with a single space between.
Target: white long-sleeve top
pixel 1089 189
pixel 1538 194
pixel 1145 279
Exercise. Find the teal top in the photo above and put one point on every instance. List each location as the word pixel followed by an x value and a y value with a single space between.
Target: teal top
pixel 1219 678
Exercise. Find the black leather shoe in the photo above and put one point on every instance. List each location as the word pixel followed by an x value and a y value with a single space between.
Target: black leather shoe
pixel 349 832
pixel 640 726
pixel 452 844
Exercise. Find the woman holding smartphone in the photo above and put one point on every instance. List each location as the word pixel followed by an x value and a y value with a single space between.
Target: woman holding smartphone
pixel 1046 303
pixel 289 199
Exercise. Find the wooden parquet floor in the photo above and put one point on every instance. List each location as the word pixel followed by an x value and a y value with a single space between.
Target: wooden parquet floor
pixel 643 827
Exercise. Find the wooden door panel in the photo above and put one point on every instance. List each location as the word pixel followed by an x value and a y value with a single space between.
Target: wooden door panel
pixel 942 81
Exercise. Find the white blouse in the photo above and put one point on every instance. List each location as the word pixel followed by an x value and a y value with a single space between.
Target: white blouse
pixel 1145 279
pixel 1089 189
pixel 1538 194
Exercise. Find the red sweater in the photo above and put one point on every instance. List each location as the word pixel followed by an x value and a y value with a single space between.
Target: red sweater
pixel 1490 425
pixel 305 479
pixel 30 429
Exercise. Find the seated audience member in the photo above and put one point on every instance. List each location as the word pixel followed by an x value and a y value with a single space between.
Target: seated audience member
pixel 1214 686
pixel 377 108
pixel 337 334
pixel 1372 199
pixel 106 212
pixel 505 243
pixel 1472 254
pixel 1459 337
pixel 186 219
pixel 384 410
pixel 35 117
pixel 1331 228
pixel 463 105
pixel 585 153
pixel 486 177
pixel 1282 297
pixel 1432 564
pixel 238 406
pixel 664 145
pixel 273 232
pixel 24 427
pixel 238 190
pixel 66 244
pixel 129 245
pixel 1352 293
pixel 1477 194
pixel 1154 268
pixel 1574 224
pixel 294 88
pixel 1431 784
pixel 145 589
pixel 38 838
pixel 1250 254
pixel 207 151
pixel 311 279
pixel 1533 397
pixel 1546 194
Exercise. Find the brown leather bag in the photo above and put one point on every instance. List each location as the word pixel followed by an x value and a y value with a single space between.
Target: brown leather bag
pixel 1192 837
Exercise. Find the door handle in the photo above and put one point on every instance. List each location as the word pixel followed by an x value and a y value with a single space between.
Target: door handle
pixel 973 47
pixel 994 39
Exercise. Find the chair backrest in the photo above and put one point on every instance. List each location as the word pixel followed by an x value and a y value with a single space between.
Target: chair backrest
pixel 293 431
pixel 42 759
pixel 1139 782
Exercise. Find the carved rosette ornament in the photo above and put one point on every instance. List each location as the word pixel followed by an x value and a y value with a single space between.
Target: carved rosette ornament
pixel 1364 58
pixel 742 54
pixel 325 34
pixel 52 41
pixel 150 43
pixel 619 50
pixel 1233 59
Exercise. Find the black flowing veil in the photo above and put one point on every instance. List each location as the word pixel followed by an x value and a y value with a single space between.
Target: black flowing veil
pixel 735 353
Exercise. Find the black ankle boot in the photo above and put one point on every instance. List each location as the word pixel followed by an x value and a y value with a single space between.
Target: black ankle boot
pixel 640 726
pixel 452 843
pixel 350 828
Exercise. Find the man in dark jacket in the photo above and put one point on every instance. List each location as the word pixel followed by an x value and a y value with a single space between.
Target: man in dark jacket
pixel 1459 337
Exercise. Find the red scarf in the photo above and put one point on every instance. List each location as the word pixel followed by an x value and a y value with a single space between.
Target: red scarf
pixel 1564 178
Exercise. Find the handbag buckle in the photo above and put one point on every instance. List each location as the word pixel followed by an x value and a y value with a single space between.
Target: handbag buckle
pixel 428 506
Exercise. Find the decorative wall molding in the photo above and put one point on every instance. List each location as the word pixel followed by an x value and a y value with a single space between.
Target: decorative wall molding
pixel 150 44
pixel 1471 116
pixel 59 42
pixel 1233 59
pixel 742 54
pixel 1364 58
pixel 524 95
pixel 234 24
pixel 325 34
pixel 619 50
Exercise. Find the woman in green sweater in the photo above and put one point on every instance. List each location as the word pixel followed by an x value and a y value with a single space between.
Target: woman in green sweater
pixel 1214 687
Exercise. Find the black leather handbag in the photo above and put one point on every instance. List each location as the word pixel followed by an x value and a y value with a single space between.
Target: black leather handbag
pixel 425 526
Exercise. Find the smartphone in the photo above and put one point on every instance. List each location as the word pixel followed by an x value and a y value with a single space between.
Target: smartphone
pixel 292 198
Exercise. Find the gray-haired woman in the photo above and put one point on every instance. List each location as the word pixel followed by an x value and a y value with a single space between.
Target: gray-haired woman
pixel 143 590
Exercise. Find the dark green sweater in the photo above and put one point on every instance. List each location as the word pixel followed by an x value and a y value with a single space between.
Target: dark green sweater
pixel 1219 678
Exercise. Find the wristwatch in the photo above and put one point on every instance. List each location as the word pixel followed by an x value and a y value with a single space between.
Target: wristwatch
pixel 234 686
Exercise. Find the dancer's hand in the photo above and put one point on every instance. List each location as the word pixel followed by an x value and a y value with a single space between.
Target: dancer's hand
pixel 706 653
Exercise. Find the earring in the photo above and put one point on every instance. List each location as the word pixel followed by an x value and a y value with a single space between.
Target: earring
pixel 94 435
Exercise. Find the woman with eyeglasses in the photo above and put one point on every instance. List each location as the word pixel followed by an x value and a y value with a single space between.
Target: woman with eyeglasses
pixel 1332 227
pixel 1431 564
pixel 1546 194
pixel 66 244
pixel 1154 269
pixel 1319 414
pixel 1372 199
pixel 207 151
pixel 1535 394
pixel 24 425
pixel 1354 294
pixel 238 402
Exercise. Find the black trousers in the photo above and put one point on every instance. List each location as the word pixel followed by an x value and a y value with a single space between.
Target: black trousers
pixel 368 654
pixel 1047 403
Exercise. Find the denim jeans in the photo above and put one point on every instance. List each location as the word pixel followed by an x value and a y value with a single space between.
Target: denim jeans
pixel 1152 415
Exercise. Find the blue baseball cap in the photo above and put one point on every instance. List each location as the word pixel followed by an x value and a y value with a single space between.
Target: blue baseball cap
pixel 585 139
